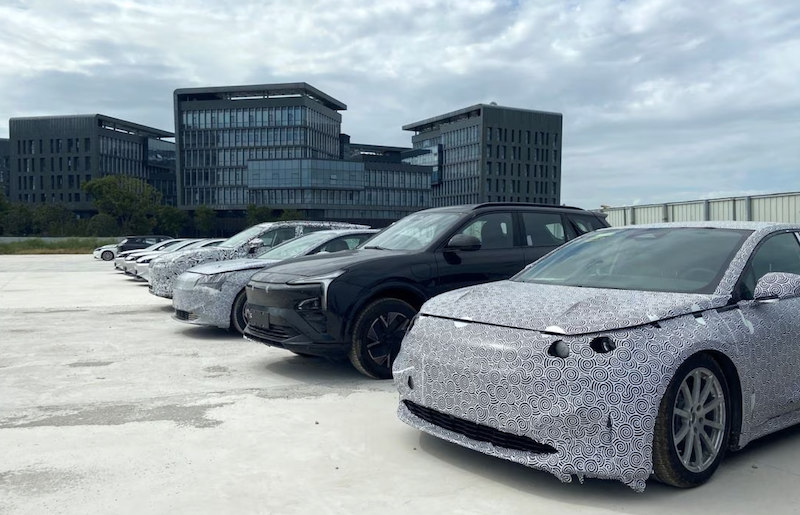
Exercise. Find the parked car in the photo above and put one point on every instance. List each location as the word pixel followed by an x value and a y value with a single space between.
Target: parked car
pixel 121 256
pixel 141 267
pixel 213 294
pixel 139 242
pixel 164 270
pixel 106 252
pixel 128 264
pixel 643 350
pixel 359 303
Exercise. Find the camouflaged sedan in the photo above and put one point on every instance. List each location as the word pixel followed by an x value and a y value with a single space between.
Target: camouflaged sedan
pixel 629 353
pixel 214 294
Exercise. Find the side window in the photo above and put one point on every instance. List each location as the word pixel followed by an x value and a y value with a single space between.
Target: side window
pixel 284 234
pixel 494 230
pixel 150 241
pixel 586 223
pixel 308 229
pixel 543 229
pixel 780 253
pixel 336 245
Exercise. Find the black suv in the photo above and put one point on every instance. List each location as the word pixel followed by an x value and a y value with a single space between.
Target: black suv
pixel 139 242
pixel 359 303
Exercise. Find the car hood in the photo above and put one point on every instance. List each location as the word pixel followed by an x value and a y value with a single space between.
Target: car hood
pixel 568 310
pixel 236 265
pixel 326 263
pixel 203 255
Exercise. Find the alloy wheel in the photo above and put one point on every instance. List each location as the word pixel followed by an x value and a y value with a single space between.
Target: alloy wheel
pixel 384 337
pixel 698 420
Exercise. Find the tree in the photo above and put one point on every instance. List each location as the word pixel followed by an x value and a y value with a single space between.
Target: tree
pixel 131 201
pixel 102 224
pixel 52 220
pixel 205 220
pixel 171 220
pixel 18 220
pixel 257 214
pixel 291 214
pixel 5 205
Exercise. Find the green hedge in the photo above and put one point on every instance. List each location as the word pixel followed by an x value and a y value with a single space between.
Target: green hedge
pixel 65 246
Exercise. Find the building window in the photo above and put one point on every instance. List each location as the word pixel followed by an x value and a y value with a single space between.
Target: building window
pixel 488 134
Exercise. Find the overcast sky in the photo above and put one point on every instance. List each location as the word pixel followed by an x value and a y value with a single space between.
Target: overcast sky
pixel 663 100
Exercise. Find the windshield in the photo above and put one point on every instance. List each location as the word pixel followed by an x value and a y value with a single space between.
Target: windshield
pixel 296 247
pixel 680 260
pixel 239 239
pixel 174 245
pixel 413 232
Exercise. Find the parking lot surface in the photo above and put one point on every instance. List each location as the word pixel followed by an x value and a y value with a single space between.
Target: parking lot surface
pixel 109 406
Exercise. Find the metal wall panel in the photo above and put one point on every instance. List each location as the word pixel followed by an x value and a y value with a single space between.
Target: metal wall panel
pixel 778 207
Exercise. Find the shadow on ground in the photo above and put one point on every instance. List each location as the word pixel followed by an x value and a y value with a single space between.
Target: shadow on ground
pixel 318 370
pixel 209 333
pixel 613 495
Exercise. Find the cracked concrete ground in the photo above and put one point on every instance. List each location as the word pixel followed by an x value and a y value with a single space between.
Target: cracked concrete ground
pixel 109 406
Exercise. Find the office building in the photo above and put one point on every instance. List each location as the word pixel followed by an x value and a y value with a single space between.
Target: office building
pixel 373 184
pixel 53 156
pixel 280 145
pixel 489 153
pixel 5 164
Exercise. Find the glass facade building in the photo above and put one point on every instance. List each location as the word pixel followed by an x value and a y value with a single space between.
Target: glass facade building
pixel 220 130
pixel 378 188
pixel 53 156
pixel 281 146
pixel 489 153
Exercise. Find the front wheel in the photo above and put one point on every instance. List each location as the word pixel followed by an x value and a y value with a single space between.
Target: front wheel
pixel 107 255
pixel 238 322
pixel 377 333
pixel 693 424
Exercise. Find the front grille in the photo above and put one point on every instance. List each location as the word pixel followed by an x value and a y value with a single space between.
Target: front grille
pixel 275 333
pixel 185 315
pixel 477 431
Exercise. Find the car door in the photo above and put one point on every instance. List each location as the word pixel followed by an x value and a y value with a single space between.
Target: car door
pixel 499 257
pixel 772 343
pixel 543 232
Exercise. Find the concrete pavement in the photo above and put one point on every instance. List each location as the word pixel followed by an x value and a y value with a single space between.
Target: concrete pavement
pixel 109 406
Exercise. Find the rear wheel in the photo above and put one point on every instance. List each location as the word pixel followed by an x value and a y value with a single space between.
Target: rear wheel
pixel 377 334
pixel 107 255
pixel 693 424
pixel 238 322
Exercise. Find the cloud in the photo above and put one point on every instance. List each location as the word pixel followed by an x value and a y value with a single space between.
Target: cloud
pixel 662 99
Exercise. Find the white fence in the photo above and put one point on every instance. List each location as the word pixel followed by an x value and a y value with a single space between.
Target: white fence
pixel 778 207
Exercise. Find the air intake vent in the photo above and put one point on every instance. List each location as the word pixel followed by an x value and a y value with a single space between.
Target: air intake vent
pixel 477 431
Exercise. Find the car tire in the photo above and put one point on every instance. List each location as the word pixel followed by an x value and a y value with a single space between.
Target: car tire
pixel 693 424
pixel 107 255
pixel 238 322
pixel 373 349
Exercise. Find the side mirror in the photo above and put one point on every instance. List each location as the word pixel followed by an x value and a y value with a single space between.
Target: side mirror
pixel 463 242
pixel 254 244
pixel 776 286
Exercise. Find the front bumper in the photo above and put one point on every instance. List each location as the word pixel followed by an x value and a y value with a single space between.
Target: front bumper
pixel 143 271
pixel 273 319
pixel 596 411
pixel 200 305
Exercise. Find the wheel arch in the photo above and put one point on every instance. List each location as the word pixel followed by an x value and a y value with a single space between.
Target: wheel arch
pixel 396 290
pixel 735 390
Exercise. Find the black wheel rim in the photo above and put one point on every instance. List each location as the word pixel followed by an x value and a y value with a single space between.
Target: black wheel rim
pixel 238 316
pixel 384 337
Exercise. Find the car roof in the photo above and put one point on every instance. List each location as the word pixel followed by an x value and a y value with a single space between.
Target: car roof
pixel 522 206
pixel 714 224
pixel 290 223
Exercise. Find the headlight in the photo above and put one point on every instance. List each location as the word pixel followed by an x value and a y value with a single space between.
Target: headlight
pixel 212 281
pixel 317 279
pixel 144 260
pixel 323 280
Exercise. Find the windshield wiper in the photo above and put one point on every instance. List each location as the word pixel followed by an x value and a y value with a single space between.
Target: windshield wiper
pixel 376 247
